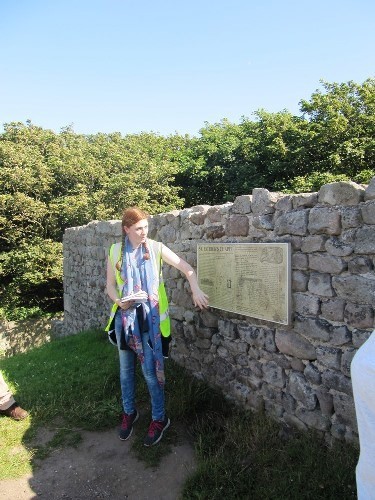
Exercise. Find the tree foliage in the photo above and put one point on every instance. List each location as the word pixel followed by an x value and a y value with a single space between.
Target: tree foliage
pixel 53 181
pixel 50 181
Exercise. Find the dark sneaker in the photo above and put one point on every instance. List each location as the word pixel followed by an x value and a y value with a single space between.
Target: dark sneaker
pixel 155 431
pixel 127 425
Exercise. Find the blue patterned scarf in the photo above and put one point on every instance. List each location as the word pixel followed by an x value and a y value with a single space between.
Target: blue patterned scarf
pixel 140 274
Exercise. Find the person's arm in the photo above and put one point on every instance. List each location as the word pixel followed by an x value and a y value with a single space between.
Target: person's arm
pixel 200 299
pixel 112 288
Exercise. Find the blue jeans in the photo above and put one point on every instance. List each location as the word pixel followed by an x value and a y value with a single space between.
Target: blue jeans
pixel 128 360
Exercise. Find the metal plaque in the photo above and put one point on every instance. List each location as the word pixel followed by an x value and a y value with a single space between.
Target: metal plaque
pixel 251 279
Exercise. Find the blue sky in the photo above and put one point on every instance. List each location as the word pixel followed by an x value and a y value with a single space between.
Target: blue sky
pixel 170 66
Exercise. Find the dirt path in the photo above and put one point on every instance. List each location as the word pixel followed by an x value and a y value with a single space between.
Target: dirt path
pixel 102 467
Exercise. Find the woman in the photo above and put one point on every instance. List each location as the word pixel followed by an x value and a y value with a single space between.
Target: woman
pixel 140 316
pixel 363 381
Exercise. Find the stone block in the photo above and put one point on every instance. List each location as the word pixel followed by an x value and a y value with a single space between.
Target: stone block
pixel 345 410
pixel 280 359
pixel 263 201
pixel 293 421
pixel 359 315
pixel 299 281
pixel 320 284
pixel 359 337
pixel 340 335
pixel 346 360
pixel 198 213
pixel 360 265
pixel 313 328
pixel 272 393
pixel 246 376
pixel 368 212
pixel 370 190
pixel 294 223
pixel 223 369
pixel 300 261
pixel 239 391
pixel 314 243
pixel 262 338
pixel 242 204
pixel 312 374
pixel 329 356
pixel 204 332
pixel 350 217
pixel 215 232
pixel 222 352
pixel 301 391
pixel 256 367
pixel 305 200
pixel 237 225
pixel 242 359
pixel 284 203
pixel 336 380
pixel 306 304
pixel 255 401
pixel 297 365
pixel 324 263
pixel 325 401
pixel 176 312
pixel 338 430
pixel 292 344
pixel 356 288
pixel 227 329
pixel 263 222
pixel 208 318
pixel 275 410
pixel 365 240
pixel 335 246
pixel 324 221
pixel 288 402
pixel 341 193
pixel 314 419
pixel 167 234
pixel 273 374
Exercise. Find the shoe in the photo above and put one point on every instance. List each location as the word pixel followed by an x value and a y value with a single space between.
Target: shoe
pixel 15 412
pixel 127 425
pixel 156 430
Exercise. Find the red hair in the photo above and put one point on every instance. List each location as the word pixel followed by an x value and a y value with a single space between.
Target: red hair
pixel 131 216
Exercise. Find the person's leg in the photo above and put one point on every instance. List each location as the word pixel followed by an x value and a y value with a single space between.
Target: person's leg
pixel 127 371
pixel 127 381
pixel 155 389
pixel 8 405
pixel 6 397
pixel 160 422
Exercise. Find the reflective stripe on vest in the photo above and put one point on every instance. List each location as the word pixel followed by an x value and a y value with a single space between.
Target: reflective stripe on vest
pixel 165 322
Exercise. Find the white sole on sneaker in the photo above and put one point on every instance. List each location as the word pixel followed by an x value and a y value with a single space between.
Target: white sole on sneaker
pixel 161 434
pixel 131 432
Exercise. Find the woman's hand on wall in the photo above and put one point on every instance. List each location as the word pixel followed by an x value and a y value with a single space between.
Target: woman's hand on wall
pixel 200 298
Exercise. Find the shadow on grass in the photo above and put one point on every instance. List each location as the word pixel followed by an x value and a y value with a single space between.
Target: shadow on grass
pixel 68 386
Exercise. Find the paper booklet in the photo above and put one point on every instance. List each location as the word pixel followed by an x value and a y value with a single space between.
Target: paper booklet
pixel 136 297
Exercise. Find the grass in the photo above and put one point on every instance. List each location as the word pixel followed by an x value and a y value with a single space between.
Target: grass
pixel 72 384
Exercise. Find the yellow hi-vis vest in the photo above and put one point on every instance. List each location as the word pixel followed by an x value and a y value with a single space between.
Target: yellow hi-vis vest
pixel 114 257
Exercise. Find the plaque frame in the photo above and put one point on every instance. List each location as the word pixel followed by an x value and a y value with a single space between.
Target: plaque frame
pixel 238 278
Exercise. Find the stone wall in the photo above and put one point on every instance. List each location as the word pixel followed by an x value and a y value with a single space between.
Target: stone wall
pixel 20 336
pixel 299 374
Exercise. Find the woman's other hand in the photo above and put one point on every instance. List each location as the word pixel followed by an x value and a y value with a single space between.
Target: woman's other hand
pixel 125 305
